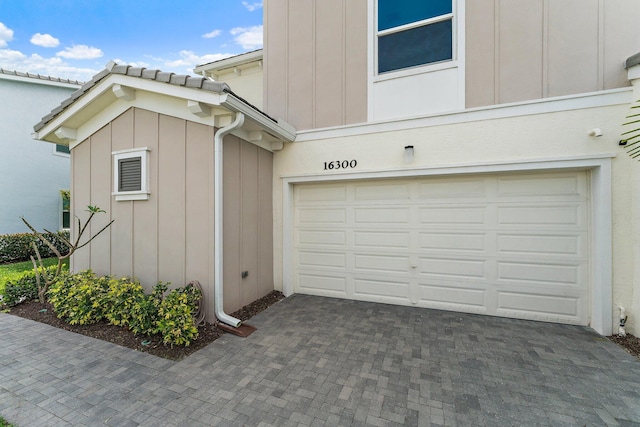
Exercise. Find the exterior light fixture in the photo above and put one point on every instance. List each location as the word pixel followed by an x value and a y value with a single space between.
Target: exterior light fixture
pixel 408 154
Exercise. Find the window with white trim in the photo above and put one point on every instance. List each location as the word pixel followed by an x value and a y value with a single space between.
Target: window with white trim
pixel 413 33
pixel 131 174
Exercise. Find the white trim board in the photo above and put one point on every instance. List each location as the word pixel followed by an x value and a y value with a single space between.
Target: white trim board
pixel 538 106
pixel 601 293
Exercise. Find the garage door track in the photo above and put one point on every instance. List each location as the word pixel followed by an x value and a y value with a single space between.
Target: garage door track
pixel 320 361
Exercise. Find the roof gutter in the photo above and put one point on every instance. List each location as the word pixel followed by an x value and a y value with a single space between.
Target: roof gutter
pixel 217 222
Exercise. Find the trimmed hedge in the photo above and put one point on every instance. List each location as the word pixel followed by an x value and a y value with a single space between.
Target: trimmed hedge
pixel 17 247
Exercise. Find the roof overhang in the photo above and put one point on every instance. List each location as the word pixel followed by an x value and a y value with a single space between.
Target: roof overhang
pixel 112 95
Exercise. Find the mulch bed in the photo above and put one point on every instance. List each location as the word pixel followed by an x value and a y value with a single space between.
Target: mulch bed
pixel 152 344
pixel 630 343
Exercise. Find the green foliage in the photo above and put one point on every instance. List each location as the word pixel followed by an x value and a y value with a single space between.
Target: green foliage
pixel 631 135
pixel 17 247
pixel 23 288
pixel 84 298
pixel 80 299
pixel 175 317
pixel 123 295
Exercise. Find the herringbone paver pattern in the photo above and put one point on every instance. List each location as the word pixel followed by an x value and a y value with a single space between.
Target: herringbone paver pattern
pixel 318 361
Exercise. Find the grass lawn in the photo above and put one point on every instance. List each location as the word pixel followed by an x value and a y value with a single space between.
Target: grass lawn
pixel 14 271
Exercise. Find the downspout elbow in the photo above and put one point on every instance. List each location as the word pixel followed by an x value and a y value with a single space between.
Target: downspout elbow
pixel 218 210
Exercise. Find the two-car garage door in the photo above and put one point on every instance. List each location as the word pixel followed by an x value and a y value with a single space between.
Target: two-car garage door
pixel 507 245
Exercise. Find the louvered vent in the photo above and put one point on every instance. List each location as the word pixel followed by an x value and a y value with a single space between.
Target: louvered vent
pixel 130 174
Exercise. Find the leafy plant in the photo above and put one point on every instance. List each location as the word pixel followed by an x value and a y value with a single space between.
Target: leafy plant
pixel 80 299
pixel 175 317
pixel 123 295
pixel 632 135
pixel 45 280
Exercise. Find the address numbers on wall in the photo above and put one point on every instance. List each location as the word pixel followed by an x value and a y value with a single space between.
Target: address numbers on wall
pixel 340 164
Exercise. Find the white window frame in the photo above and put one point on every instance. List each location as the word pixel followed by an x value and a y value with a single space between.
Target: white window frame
pixel 143 193
pixel 58 153
pixel 432 66
pixel 456 64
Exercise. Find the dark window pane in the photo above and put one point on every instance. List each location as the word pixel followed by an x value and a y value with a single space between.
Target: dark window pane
pixel 130 174
pixel 418 46
pixel 393 13
pixel 62 149
pixel 66 220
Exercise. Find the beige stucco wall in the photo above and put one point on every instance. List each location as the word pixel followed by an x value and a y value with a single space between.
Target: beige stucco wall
pixel 316 54
pixel 468 141
pixel 169 237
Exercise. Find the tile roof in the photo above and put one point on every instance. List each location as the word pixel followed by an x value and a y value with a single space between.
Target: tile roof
pixel 39 77
pixel 201 83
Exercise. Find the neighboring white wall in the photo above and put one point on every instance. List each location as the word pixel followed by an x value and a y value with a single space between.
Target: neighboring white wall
pixel 32 172
pixel 510 135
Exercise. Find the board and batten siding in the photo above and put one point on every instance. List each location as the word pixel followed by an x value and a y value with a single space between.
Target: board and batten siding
pixel 516 50
pixel 170 237
pixel 519 50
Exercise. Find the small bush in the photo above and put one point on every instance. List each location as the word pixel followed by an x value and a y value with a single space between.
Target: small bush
pixel 25 288
pixel 83 299
pixel 175 317
pixel 17 247
pixel 80 299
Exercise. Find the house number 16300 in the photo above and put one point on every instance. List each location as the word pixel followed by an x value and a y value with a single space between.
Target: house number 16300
pixel 344 164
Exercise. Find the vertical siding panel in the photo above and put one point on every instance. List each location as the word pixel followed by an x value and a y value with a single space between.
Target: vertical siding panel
pixel 300 65
pixel 329 72
pixel 231 224
pixel 81 198
pixel 573 47
pixel 275 58
pixel 520 51
pixel 619 17
pixel 265 222
pixel 121 229
pixel 480 53
pixel 249 217
pixel 199 137
pixel 356 61
pixel 100 178
pixel 145 226
pixel 171 209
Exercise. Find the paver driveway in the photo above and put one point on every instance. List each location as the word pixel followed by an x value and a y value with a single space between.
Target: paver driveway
pixel 320 361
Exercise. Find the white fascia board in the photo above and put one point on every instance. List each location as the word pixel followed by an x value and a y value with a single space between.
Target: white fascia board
pixel 280 130
pixel 136 83
pixel 526 108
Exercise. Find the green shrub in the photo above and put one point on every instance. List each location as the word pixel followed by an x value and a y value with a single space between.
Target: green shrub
pixel 23 289
pixel 122 297
pixel 175 317
pixel 17 247
pixel 80 299
pixel 83 298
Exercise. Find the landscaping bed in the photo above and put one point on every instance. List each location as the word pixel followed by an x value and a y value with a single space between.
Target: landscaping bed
pixel 149 344
pixel 630 343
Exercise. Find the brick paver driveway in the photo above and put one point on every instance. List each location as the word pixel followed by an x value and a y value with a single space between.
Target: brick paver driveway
pixel 319 361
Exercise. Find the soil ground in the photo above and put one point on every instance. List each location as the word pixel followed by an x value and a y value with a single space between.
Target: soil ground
pixel 208 333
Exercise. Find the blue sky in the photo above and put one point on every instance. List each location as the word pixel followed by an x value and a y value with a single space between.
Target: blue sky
pixel 75 39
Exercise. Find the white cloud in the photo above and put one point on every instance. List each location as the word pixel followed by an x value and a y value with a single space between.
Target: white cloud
pixel 6 35
pixel 189 60
pixel 253 6
pixel 44 40
pixel 36 64
pixel 80 51
pixel 248 37
pixel 212 34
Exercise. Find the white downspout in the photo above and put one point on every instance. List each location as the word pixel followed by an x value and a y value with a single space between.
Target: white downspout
pixel 217 222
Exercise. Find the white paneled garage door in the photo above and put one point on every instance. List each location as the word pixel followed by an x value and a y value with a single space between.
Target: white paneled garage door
pixel 506 245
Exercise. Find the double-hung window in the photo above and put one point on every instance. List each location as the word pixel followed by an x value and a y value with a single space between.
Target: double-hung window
pixel 413 33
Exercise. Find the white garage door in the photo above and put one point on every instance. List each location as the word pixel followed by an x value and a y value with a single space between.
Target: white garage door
pixel 505 245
